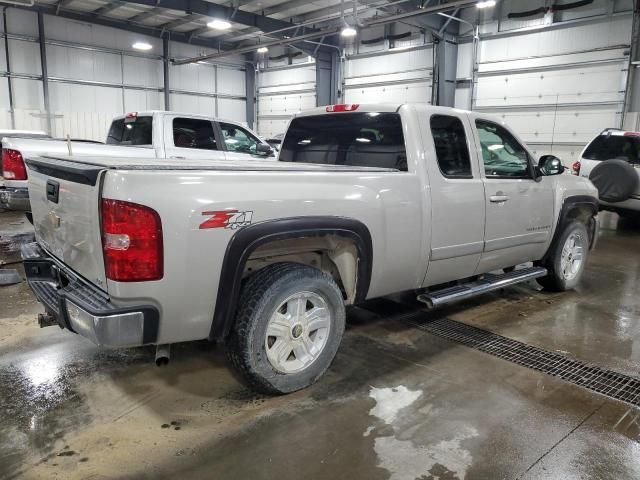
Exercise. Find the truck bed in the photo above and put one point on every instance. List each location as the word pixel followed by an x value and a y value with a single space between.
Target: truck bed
pixel 97 163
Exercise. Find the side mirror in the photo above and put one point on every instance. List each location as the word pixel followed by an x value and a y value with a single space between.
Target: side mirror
pixel 550 165
pixel 264 149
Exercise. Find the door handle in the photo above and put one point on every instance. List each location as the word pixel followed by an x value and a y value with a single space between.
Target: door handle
pixel 177 157
pixel 498 198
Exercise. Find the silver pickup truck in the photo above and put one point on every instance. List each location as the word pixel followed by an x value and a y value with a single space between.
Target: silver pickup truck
pixel 365 201
pixel 152 134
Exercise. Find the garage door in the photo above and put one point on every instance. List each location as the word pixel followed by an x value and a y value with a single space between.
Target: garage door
pixel 557 88
pixel 283 91
pixel 395 76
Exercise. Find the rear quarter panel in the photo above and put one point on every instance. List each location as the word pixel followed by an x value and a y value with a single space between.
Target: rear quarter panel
pixel 388 203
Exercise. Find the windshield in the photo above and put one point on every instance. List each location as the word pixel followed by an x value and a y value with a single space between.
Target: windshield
pixel 131 131
pixel 609 147
pixel 355 139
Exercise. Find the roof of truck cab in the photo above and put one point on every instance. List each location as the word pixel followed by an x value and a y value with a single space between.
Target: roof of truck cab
pixel 148 113
pixel 376 108
pixel 125 163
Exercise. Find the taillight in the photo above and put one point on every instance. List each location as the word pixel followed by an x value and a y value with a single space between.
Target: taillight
pixel 13 165
pixel 131 241
pixel 575 168
pixel 351 107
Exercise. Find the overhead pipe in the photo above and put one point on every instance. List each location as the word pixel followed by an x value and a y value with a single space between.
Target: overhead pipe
pixel 328 31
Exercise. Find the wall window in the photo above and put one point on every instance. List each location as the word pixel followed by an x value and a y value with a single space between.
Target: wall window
pixel 503 156
pixel 452 151
pixel 194 133
pixel 237 139
pixel 356 139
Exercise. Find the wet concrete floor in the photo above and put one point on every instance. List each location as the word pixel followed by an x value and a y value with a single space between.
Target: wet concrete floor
pixel 398 403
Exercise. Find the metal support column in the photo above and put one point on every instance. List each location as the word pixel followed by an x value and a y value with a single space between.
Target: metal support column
pixel 165 69
pixel 12 113
pixel 447 59
pixel 250 85
pixel 327 80
pixel 45 72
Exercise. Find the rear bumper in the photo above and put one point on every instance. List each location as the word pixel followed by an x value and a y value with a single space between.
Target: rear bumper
pixel 630 205
pixel 84 309
pixel 15 199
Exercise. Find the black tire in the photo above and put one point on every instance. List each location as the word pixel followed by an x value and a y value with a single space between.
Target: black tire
pixel 555 280
pixel 616 180
pixel 262 294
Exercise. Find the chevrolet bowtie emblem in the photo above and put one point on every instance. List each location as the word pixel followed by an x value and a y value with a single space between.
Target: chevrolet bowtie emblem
pixel 54 219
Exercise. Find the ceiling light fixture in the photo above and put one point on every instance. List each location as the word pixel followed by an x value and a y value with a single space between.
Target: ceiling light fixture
pixel 218 24
pixel 486 4
pixel 142 46
pixel 348 31
pixel 263 50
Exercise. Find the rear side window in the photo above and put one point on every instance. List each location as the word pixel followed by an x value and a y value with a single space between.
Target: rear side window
pixel 194 133
pixel 610 147
pixel 354 139
pixel 452 151
pixel 137 131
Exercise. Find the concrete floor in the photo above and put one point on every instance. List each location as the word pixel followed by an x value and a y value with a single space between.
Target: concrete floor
pixel 398 403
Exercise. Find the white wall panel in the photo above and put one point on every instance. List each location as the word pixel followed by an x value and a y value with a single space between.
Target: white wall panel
pixel 22 22
pixel 3 62
pixel 139 100
pixel 142 71
pixel 24 57
pixel 27 94
pixel 232 110
pixel 5 116
pixel 79 64
pixel 231 81
pixel 193 104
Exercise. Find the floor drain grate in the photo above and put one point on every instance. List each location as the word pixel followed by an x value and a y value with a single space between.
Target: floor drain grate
pixel 600 380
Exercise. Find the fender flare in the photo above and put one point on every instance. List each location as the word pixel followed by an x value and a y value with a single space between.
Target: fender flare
pixel 569 204
pixel 245 241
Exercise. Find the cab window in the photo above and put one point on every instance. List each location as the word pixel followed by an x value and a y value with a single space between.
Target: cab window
pixel 237 139
pixel 194 133
pixel 452 152
pixel 131 131
pixel 362 139
pixel 503 156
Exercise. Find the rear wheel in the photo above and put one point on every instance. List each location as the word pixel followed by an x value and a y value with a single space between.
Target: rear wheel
pixel 568 258
pixel 289 325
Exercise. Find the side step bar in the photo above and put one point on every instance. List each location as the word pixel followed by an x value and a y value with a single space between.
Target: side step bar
pixel 488 283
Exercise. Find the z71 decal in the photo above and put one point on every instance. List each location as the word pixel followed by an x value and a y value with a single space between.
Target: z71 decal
pixel 232 219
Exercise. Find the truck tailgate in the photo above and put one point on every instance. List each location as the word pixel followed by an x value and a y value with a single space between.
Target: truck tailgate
pixel 65 200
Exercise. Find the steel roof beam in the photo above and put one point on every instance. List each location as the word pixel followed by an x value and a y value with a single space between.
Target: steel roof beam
pixel 115 23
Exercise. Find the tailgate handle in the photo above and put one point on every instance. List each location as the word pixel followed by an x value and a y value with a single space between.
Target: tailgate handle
pixel 53 190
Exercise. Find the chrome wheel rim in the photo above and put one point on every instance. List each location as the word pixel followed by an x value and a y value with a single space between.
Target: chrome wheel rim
pixel 297 332
pixel 572 255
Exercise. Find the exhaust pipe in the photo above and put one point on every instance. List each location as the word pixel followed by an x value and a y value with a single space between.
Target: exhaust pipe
pixel 163 353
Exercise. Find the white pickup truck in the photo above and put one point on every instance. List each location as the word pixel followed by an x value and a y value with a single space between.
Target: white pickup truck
pixel 365 201
pixel 151 135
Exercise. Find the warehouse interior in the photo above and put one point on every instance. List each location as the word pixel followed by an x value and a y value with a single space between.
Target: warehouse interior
pixel 407 397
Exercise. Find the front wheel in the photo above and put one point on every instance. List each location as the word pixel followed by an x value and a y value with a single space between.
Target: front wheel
pixel 288 328
pixel 568 258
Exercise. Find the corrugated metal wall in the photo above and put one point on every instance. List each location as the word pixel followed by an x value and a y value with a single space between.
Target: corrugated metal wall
pixel 94 74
